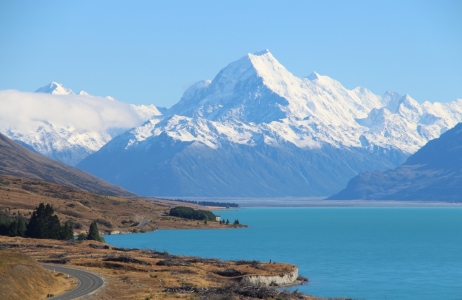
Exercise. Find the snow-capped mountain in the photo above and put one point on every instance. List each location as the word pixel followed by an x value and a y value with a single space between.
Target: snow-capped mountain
pixel 55 88
pixel 62 125
pixel 257 130
pixel 433 173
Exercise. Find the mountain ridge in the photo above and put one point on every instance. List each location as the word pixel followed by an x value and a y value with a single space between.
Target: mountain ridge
pixel 261 118
pixel 433 173
pixel 61 125
pixel 18 161
pixel 253 111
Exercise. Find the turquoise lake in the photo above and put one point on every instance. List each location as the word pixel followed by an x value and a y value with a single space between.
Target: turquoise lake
pixel 358 252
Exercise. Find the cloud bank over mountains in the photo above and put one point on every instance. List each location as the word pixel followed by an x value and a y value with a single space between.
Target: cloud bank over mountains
pixel 58 122
pixel 254 130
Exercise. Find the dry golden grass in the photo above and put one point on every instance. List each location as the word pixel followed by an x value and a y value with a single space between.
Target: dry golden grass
pixel 21 277
pixel 132 280
pixel 125 280
pixel 22 195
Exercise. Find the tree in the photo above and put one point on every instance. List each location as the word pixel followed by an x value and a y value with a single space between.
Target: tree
pixel 236 222
pixel 43 224
pixel 93 233
pixel 13 229
pixel 192 214
pixel 53 227
pixel 67 231
pixel 21 228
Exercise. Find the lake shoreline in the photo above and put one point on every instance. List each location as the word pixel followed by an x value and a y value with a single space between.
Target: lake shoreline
pixel 384 247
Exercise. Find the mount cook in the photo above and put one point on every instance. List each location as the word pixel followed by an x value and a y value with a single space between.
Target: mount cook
pixel 256 130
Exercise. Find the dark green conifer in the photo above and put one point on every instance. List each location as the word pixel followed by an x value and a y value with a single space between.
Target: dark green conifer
pixel 21 228
pixel 67 232
pixel 43 224
pixel 93 233
pixel 13 229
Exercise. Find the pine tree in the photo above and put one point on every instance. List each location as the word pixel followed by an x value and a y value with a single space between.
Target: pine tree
pixel 43 224
pixel 93 233
pixel 53 228
pixel 33 227
pixel 13 229
pixel 67 232
pixel 21 228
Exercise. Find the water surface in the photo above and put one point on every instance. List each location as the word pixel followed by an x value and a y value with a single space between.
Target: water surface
pixel 359 252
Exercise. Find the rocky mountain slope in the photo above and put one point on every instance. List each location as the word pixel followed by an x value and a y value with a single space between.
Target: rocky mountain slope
pixel 57 123
pixel 433 173
pixel 18 161
pixel 256 130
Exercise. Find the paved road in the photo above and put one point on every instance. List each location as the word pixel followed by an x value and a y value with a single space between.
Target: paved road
pixel 88 282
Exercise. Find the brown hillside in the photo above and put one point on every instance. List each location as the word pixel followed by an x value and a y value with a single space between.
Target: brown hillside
pixel 19 161
pixel 21 277
pixel 20 196
pixel 149 274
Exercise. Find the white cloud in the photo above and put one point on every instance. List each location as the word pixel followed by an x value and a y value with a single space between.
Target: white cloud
pixel 88 113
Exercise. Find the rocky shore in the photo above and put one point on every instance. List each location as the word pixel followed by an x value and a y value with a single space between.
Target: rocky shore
pixel 151 274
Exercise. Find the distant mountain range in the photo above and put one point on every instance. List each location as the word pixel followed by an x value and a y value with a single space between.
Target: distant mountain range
pixel 256 130
pixel 18 161
pixel 433 173
pixel 59 124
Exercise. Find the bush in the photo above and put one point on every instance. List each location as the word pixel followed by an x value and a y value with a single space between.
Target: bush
pixel 192 214
pixel 82 236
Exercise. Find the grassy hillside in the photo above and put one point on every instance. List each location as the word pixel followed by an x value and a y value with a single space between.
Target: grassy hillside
pixel 150 274
pixel 21 277
pixel 19 161
pixel 20 196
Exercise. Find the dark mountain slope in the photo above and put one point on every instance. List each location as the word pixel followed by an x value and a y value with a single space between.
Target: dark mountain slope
pixel 433 173
pixel 173 168
pixel 19 161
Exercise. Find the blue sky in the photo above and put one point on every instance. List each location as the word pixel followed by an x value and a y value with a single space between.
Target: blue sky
pixel 151 51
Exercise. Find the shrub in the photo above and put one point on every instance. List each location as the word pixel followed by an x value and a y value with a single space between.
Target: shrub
pixel 192 214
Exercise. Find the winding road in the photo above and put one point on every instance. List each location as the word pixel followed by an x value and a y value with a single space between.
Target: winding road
pixel 88 282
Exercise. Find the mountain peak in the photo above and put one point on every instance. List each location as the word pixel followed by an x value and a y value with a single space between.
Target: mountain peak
pixel 55 88
pixel 262 52
pixel 313 76
pixel 83 93
pixel 267 66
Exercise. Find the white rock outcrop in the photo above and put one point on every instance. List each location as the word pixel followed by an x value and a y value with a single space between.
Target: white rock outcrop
pixel 286 278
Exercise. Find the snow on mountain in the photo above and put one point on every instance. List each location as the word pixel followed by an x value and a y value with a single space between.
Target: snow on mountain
pixel 55 88
pixel 258 130
pixel 59 124
pixel 83 93
pixel 433 173
pixel 258 89
pixel 310 111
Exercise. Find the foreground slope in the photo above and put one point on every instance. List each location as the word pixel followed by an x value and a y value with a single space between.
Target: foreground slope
pixel 256 130
pixel 433 173
pixel 24 278
pixel 152 274
pixel 19 161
